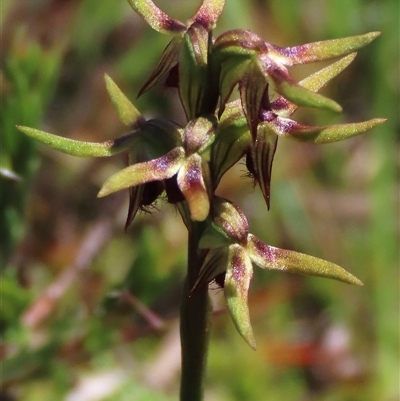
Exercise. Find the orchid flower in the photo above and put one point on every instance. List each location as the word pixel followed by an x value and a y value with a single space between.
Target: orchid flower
pixel 232 251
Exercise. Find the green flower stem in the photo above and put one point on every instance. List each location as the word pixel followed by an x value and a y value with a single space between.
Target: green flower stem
pixel 195 325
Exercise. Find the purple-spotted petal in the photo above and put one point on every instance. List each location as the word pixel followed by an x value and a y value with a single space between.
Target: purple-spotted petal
pixel 199 134
pixel 318 51
pixel 191 183
pixel 208 13
pixel 236 287
pixel 271 258
pixel 314 83
pixel 156 18
pixel 319 134
pixel 231 220
pixel 154 170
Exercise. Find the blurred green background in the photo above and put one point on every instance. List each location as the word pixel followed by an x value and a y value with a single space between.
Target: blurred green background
pixel 89 312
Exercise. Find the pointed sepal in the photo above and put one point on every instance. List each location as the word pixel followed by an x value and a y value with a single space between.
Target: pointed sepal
pixel 271 258
pixel 156 18
pixel 127 112
pixel 236 287
pixel 154 170
pixel 314 83
pixel 80 148
pixel 208 13
pixel 262 156
pixel 320 134
pixel 285 86
pixel 319 51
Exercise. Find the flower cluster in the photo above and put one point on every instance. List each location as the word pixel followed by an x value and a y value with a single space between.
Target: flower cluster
pixel 187 163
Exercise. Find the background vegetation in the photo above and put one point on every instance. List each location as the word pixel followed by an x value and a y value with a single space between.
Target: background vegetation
pixel 89 312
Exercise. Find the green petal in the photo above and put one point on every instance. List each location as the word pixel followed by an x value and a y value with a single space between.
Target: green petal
pixel 191 183
pixel 323 134
pixel 156 18
pixel 208 13
pixel 297 94
pixel 237 282
pixel 127 112
pixel 80 148
pixel 318 51
pixel 271 258
pixel 137 174
pixel 314 83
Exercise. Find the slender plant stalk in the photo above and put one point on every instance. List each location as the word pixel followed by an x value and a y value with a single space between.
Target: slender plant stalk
pixel 194 326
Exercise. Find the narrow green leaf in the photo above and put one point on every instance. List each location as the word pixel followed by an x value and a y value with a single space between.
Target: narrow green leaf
pixel 140 173
pixel 271 258
pixel 156 18
pixel 80 148
pixel 127 112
